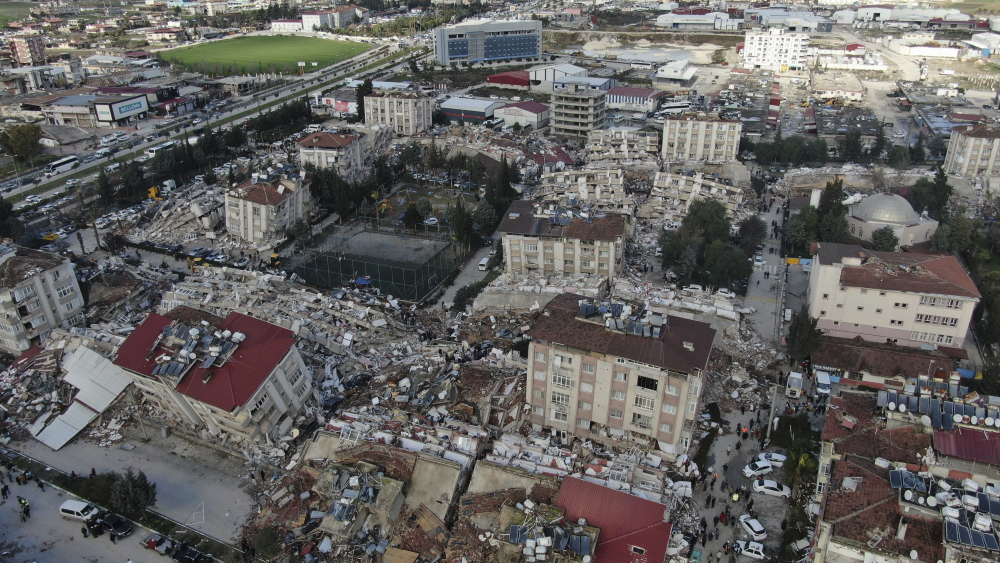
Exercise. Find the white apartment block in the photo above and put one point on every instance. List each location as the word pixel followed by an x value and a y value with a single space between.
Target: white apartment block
pixel 973 151
pixel 408 113
pixel 262 209
pixel 342 151
pixel 535 242
pixel 216 7
pixel 286 26
pixel 674 193
pixel 701 137
pixel 600 189
pixel 622 144
pixel 908 299
pixel 611 380
pixel 577 109
pixel 314 20
pixel 775 49
pixel 38 292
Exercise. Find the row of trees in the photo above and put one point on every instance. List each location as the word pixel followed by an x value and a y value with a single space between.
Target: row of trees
pixel 278 123
pixel 796 150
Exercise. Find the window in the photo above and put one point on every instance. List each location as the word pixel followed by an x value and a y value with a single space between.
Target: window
pixel 515 247
pixel 899 305
pixel 669 409
pixel 616 414
pixel 539 411
pixel 826 296
pixel 563 361
pixel 540 356
pixel 896 323
pixel 586 387
pixel 840 305
pixel 637 550
pixel 531 248
pixel 560 416
pixel 295 378
pixel 583 423
pixel 672 390
pixel 644 403
pixel 821 313
pixel 692 407
pixel 881 294
pixel 647 383
pixel 618 395
pixel 260 403
pixel 668 428
pixel 694 388
pixel 621 376
pixel 548 248
pixel 864 291
pixel 538 393
pixel 569 263
pixel 589 368
pixel 584 405
pixel 878 310
pixel 515 259
pixel 641 420
pixel 65 290
pixel 560 399
pixel 620 360
pixel 540 375
pixel 56 275
pixel 563 381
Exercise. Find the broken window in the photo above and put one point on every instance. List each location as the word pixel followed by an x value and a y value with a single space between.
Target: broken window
pixel 648 383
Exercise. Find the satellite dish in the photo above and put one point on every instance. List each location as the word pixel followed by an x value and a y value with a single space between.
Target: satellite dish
pixel 957 418
pixel 925 420
pixel 932 502
pixel 920 500
pixel 913 554
pixel 974 421
pixel 902 407
pixel 892 406
pixel 997 423
pixel 908 495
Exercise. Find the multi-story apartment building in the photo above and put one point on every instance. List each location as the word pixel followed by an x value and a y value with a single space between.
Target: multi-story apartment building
pixel 215 7
pixel 577 109
pixel 239 378
pixel 904 298
pixel 346 15
pixel 481 40
pixel 973 150
pixel 676 193
pixel 775 49
pixel 261 208
pixel 408 113
pixel 343 151
pixel 597 188
pixel 701 136
pixel 613 379
pixel 28 50
pixel 560 245
pixel 622 144
pixel 314 20
pixel 38 292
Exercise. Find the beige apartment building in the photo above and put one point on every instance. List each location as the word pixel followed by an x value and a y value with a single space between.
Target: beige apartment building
pixel 577 109
pixel 261 209
pixel 601 189
pixel 701 137
pixel 609 379
pixel 904 298
pixel 622 144
pixel 408 113
pixel 239 378
pixel 38 292
pixel 535 242
pixel 344 152
pixel 679 191
pixel 973 151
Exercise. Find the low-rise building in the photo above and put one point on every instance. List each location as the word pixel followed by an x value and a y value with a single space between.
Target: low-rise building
pixel 166 35
pixel 408 113
pixel 973 151
pixel 526 114
pixel 577 109
pixel 908 299
pixel 675 73
pixel 239 378
pixel 561 245
pixel 38 292
pixel 262 209
pixel 626 98
pixel 701 137
pixel 840 85
pixel 341 151
pixel 616 379
pixel 470 110
pixel 542 77
pixel 286 26
pixel 890 210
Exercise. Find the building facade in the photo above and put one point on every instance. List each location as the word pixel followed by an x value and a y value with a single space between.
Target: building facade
pixel 591 379
pixel 408 113
pixel 535 243
pixel 701 137
pixel 602 190
pixel 28 50
pixel 341 151
pixel 239 378
pixel 622 144
pixel 890 210
pixel 626 98
pixel 973 151
pixel 487 40
pixel 286 26
pixel 775 49
pixel 526 114
pixel 312 21
pixel 907 299
pixel 262 209
pixel 676 193
pixel 577 109
pixel 38 292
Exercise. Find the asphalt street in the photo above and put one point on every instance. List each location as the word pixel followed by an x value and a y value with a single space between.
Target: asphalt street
pixel 760 294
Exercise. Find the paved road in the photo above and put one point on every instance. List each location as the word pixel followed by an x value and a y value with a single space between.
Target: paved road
pixel 469 274
pixel 759 292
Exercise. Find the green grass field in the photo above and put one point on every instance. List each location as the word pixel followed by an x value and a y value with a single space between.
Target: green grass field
pixel 12 11
pixel 263 54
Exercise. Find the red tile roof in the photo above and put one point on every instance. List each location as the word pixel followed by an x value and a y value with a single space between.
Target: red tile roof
pixel 262 194
pixel 636 92
pixel 850 427
pixel 233 383
pixel 326 140
pixel 608 228
pixel 25 359
pixel 973 445
pixel 880 359
pixel 624 520
pixel 513 77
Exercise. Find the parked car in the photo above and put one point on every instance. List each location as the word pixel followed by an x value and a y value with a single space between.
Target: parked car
pixel 726 292
pixel 49 248
pixel 694 288
pixel 776 460
pixel 752 549
pixel 116 524
pixel 772 488
pixel 242 262
pixel 753 527
pixel 158 543
pixel 757 468
pixel 758 260
pixel 431 221
pixel 173 248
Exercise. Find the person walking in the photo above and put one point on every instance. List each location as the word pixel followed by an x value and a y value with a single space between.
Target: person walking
pixel 5 491
pixel 729 450
pixel 83 531
pixel 40 484
pixel 111 535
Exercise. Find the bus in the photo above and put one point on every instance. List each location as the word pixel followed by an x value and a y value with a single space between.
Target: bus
pixel 151 151
pixel 61 165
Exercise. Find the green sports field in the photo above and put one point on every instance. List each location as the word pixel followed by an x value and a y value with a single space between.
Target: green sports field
pixel 262 54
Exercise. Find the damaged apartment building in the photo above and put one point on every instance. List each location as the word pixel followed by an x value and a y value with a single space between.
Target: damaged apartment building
pixel 623 144
pixel 593 189
pixel 607 373
pixel 673 193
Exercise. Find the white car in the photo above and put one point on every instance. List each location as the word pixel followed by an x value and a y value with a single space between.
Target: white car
pixel 725 292
pixel 758 260
pixel 695 288
pixel 753 527
pixel 772 488
pixel 752 549
pixel 71 183
pixel 757 468
pixel 777 460
pixel 431 221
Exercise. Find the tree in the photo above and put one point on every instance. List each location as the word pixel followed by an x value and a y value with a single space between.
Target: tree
pixel 819 151
pixel 707 218
pixel 852 148
pixel 211 178
pixel 917 152
pixel 412 217
pixel 10 226
pixel 831 202
pixel 413 65
pixel 879 146
pixel 941 241
pixel 104 190
pixel 885 239
pixel 753 231
pixel 132 494
pixel 21 141
pixel 365 89
pixel 484 217
pixel 424 207
pixel 516 127
pixel 899 157
pixel 803 335
pixel 989 384
pixel 834 228
pixel 719 56
pixel 687 264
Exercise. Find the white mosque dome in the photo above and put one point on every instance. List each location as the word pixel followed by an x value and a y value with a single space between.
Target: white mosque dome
pixel 885 208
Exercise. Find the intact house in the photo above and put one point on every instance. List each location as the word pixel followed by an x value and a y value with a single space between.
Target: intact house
pixel 238 378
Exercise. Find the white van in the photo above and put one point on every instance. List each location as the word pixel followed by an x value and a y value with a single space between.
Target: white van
pixel 484 263
pixel 78 510
pixel 113 167
pixel 823 382
pixel 103 153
